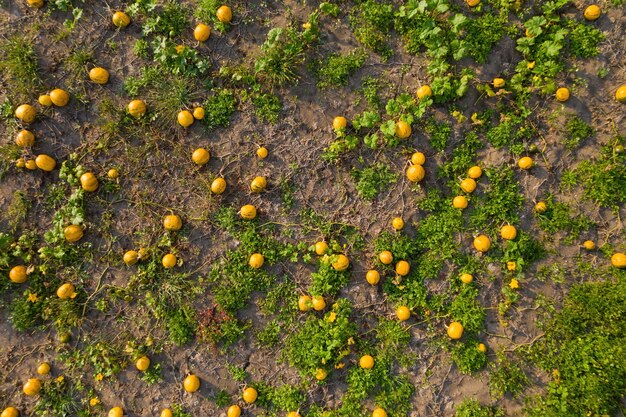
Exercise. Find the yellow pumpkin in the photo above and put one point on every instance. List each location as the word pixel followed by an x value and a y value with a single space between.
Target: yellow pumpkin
pixel 423 92
pixel 250 395
pixel 113 173
pixel 455 330
pixel 379 412
pixel 508 232
pixel 59 97
pixel 18 274
pixel 397 223
pixel 185 118
pixel 366 362
pixel 466 278
pixel 233 411
pixel 460 202
pixel 403 129
pixel 340 122
pixel 418 158
pixel 120 19
pixel 541 207
pixel 191 383
pixel 142 364
pixel 200 156
pixel 372 277
pixel 99 75
pixel 37 4
pixel 482 243
pixel 116 412
pixel 143 254
pixel 498 82
pixel 218 186
pixel 415 173
pixel 169 261
pixel 256 260
pixel 258 184
pixel 262 152
pixel 248 212
pixel 66 291
pixel 293 414
pixel 321 374
pixel 321 248
pixel 26 113
pixel 45 162
pixel 131 257
pixel 472 3
pixel 89 182
pixel 589 245
pixel 20 163
pixel 318 303
pixel 224 14
pixel 304 303
pixel 620 94
pixel 403 313
pixel 31 164
pixel 525 162
pixel 481 348
pixel 198 113
pixel 403 268
pixel 468 185
pixel 202 32
pixel 618 260
pixel 341 263
pixel 172 222
pixel 32 387
pixel 45 100
pixel 166 412
pixel 592 12
pixel 474 172
pixel 386 257
pixel 10 411
pixel 562 94
pixel 25 138
pixel 73 233
pixel 137 108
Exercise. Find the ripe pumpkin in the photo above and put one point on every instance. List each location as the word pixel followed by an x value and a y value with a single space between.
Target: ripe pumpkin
pixel 468 185
pixel 403 313
pixel 18 274
pixel 508 232
pixel 397 223
pixel 525 162
pixel 113 173
pixel 137 108
pixel 66 291
pixel 43 368
pixel 32 387
pixel 403 268
pixel 366 362
pixel 202 32
pixel 541 207
pixel 59 97
pixel 379 412
pixel 423 92
pixel 472 3
pixel 403 129
pixel 562 94
pixel 293 414
pixel 321 248
pixel 198 113
pixel 99 75
pixel 218 186
pixel 341 263
pixel 481 347
pixel 200 156
pixel 191 383
pixel 482 243
pixel 386 257
pixel 318 303
pixel 250 395
pixel 37 4
pixel 460 202
pixel 466 278
pixel 10 412
pixel 498 82
pixel 474 172
pixel 258 184
pixel 340 122
pixel 262 152
pixel 256 260
pixel 26 113
pixel 304 303
pixel 372 277
pixel 320 374
pixel 116 412
pixel 455 330
pixel 418 158
pixel 415 173
pixel 73 233
pixel 45 100
pixel 248 212
pixel 45 162
pixel 172 222
pixel 89 182
pixel 166 412
pixel 142 363
pixel 169 261
pixel 620 94
pixel 185 118
pixel 131 257
pixel 589 245
pixel 224 14
pixel 25 139
pixel 592 12
pixel 31 164
pixel 618 260
pixel 233 411
pixel 120 19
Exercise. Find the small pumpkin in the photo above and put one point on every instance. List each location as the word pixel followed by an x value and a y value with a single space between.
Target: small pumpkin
pixel 113 173
pixel 481 348
pixel 372 277
pixel 18 274
pixel 397 223
pixel 403 129
pixel 366 362
pixel 120 19
pixel 475 172
pixel 166 412
pixel 37 4
pixel 256 260
pixel 423 92
pixel 262 152
pixel 89 182
pixel 562 94
pixel 202 32
pixel 131 257
pixel 618 260
pixel 418 158
pixel 116 412
pixel 45 162
pixel 66 291
pixel 482 243
pixel 460 202
pixel 99 75
pixel 468 185
pixel 340 122
pixel 386 257
pixel 318 303
pixel 59 97
pixel 341 263
pixel 466 278
pixel 248 212
pixel 43 368
pixel 250 395
pixel 321 374
pixel 45 100
pixel 321 248
pixel 379 412
pixel 185 118
pixel 415 173
pixel 233 411
pixel 403 268
pixel 172 222
pixel 258 184
pixel 455 330
pixel 73 233
pixel 26 113
pixel 224 14
pixel 30 164
pixel 499 82
pixel 589 245
pixel 620 94
pixel 304 303
pixel 508 232
pixel 20 163
pixel 541 207
pixel 403 313
pixel 472 3
pixel 200 156
pixel 525 162
pixel 169 261
pixel 191 383
pixel 32 387
pixel 592 12
pixel 137 108
pixel 198 113
pixel 25 139
pixel 293 414
pixel 143 363
pixel 10 411
pixel 218 186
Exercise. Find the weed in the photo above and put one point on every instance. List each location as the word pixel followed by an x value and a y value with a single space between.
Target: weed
pixel 372 180
pixel 583 39
pixel 439 132
pixel 559 217
pixel 181 325
pixel 336 68
pixel 267 107
pixel 576 131
pixel 327 281
pixel 506 377
pixel 501 201
pixel 20 67
pixel 18 209
pixel 219 107
pixel 152 375
pixel 472 408
pixel 281 53
pixel 467 357
pixel 371 22
pixel 171 21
